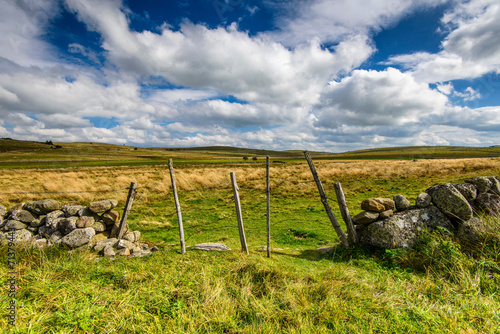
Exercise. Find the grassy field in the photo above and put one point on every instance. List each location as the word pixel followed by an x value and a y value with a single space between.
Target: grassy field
pixel 439 288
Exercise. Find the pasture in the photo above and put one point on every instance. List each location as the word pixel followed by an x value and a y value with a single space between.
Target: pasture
pixel 438 289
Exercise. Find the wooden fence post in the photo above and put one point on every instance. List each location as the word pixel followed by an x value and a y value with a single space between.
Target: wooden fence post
pixel 128 206
pixel 268 191
pixel 324 200
pixel 177 206
pixel 344 210
pixel 238 213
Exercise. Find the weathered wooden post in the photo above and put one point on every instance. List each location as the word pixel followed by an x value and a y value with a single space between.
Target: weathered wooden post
pixel 128 206
pixel 238 213
pixel 324 200
pixel 344 210
pixel 177 206
pixel 268 191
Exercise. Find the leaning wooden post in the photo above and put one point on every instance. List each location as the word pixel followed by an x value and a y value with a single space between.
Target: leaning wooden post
pixel 268 191
pixel 238 214
pixel 177 206
pixel 128 206
pixel 324 200
pixel 344 210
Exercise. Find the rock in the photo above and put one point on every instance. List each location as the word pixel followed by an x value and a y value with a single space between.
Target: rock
pixel 85 221
pixel 450 201
pixel 401 203
pixel 12 225
pixel 423 200
pixel 386 202
pixel 45 231
pixel 402 229
pixel 124 244
pixel 365 217
pixel 33 230
pixel 2 222
pixel 20 236
pixel 108 251
pixel 52 219
pixel 103 243
pixel 116 227
pixel 3 211
pixel 123 252
pixel 141 253
pixel 110 217
pixel 370 204
pixel 468 190
pixel 489 203
pixel 495 185
pixel 386 214
pixel 482 183
pixel 78 237
pixel 154 249
pixel 71 209
pixel 23 216
pixel 99 227
pixel 470 233
pixel 67 225
pixel 98 237
pixel 42 207
pixel 56 237
pixel 103 206
pixel 38 222
pixel 129 236
pixel 15 207
pixel 211 246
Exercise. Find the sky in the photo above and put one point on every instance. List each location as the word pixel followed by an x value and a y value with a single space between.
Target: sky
pixel 323 75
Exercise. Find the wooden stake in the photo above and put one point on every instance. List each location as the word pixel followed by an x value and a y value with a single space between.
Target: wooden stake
pixel 128 206
pixel 324 200
pixel 237 204
pixel 268 191
pixel 177 206
pixel 344 210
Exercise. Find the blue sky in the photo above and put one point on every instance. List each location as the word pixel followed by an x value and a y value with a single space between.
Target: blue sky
pixel 290 74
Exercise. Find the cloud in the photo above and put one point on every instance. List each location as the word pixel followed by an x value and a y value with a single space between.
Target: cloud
pixel 370 98
pixel 22 23
pixel 470 50
pixel 331 21
pixel 254 69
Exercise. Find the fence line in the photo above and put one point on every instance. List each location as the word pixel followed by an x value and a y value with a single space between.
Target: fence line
pixel 66 192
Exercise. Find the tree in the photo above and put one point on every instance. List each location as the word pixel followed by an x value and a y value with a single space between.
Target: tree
pixel 245 158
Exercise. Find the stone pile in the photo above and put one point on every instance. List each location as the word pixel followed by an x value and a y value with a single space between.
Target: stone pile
pixel 47 222
pixel 395 223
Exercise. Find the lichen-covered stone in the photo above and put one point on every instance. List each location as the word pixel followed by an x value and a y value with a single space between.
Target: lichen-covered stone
pixel 386 214
pixel 370 204
pixel 468 190
pixel 3 211
pixel 108 251
pixel 471 233
pixel 450 201
pixel 103 243
pixel 99 227
pixel 110 217
pixel 85 221
pixel 489 203
pixel 103 206
pixel 482 183
pixel 78 237
pixel 402 229
pixel 42 207
pixel 12 225
pixel 38 222
pixel 20 236
pixel 124 244
pixel 98 237
pixel 67 225
pixel 401 202
pixel 495 185
pixel 23 216
pixel 365 217
pixel 71 209
pixel 52 219
pixel 423 200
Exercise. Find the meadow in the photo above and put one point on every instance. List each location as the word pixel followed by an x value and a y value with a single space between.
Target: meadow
pixel 438 287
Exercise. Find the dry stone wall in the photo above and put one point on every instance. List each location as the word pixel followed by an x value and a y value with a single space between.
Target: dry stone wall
pixel 395 223
pixel 47 222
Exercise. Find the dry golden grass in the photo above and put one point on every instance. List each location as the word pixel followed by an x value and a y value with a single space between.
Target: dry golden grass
pixel 155 180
